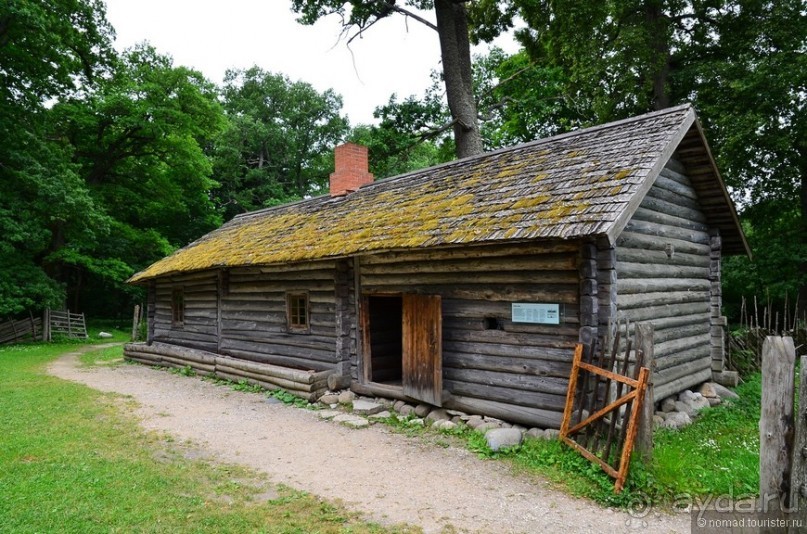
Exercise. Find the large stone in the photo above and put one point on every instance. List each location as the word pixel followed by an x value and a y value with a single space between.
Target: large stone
pixel 686 395
pixel 684 407
pixel 676 420
pixel 105 335
pixel 380 415
pixel 328 414
pixel 536 433
pixel 552 433
pixel 500 438
pixel 422 410
pixel 699 403
pixel 330 398
pixel 346 397
pixel 365 407
pixel 487 426
pixel 445 425
pixel 707 390
pixel 406 410
pixel 714 401
pixel 668 405
pixel 438 414
pixel 474 421
pixel 723 392
pixel 418 421
pixel 351 420
pixel 658 421
pixel 398 405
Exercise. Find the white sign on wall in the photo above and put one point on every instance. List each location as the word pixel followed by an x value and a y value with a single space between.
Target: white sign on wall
pixel 536 313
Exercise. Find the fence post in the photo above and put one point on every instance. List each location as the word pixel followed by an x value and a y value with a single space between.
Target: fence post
pixel 644 439
pixel 798 475
pixel 46 325
pixel 776 421
pixel 136 322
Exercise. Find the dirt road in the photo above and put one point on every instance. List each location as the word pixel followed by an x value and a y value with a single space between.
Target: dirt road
pixel 389 477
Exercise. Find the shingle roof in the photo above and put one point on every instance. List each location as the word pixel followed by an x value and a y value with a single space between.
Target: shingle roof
pixel 583 183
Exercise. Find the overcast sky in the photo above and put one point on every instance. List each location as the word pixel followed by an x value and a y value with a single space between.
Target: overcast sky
pixel 395 56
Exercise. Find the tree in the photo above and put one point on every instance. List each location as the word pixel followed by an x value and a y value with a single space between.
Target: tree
pixel 137 144
pixel 452 29
pixel 279 142
pixel 47 50
pixel 742 64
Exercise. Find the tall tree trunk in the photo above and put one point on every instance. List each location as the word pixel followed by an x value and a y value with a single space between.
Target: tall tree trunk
pixel 455 49
pixel 802 150
pixel 658 34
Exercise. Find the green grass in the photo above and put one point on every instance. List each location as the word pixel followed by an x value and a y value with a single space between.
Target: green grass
pixel 73 460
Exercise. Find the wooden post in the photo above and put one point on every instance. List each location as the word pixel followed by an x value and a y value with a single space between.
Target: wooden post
pixel 798 474
pixel 644 438
pixel 776 421
pixel 46 325
pixel 136 322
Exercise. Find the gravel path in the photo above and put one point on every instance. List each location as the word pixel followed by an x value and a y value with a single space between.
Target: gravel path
pixel 389 477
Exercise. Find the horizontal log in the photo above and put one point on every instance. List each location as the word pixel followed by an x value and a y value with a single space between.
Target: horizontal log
pixel 560 354
pixel 177 351
pixel 693 353
pixel 177 334
pixel 277 359
pixel 683 371
pixel 659 256
pixel 506 325
pixel 270 286
pixel 522 415
pixel 640 241
pixel 532 366
pixel 294 375
pixel 135 357
pixel 283 276
pixel 187 277
pixel 499 337
pixel 520 381
pixel 487 277
pixel 285 346
pixel 631 286
pixel 673 198
pixel 664 390
pixel 286 267
pixel 681 332
pixel 305 395
pixel 476 308
pixel 666 231
pixel 472 252
pixel 280 382
pixel 649 270
pixel 189 363
pixel 676 183
pixel 645 300
pixel 565 294
pixel 533 399
pixel 652 313
pixel 674 220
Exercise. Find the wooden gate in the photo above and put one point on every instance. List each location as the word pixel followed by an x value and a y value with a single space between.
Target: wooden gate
pixel 422 348
pixel 594 422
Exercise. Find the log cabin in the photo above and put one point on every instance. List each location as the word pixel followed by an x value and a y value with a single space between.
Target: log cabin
pixel 465 285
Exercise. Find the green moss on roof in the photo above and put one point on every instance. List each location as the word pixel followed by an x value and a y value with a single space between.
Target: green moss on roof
pixel 544 189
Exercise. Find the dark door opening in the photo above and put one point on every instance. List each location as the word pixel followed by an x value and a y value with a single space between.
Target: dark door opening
pixel 386 339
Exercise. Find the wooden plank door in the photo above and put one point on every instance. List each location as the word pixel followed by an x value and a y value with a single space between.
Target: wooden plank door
pixel 423 348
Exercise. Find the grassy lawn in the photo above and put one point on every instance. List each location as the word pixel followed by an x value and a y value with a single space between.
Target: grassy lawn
pixel 72 460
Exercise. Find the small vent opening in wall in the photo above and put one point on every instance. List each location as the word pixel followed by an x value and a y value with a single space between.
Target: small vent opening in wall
pixel 493 323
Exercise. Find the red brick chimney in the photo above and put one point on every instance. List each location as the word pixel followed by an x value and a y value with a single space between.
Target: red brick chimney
pixel 351 169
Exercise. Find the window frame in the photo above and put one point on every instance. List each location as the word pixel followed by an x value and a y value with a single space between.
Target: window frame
pixel 178 307
pixel 293 312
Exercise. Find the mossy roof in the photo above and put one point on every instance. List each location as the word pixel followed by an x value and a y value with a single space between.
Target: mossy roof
pixel 580 184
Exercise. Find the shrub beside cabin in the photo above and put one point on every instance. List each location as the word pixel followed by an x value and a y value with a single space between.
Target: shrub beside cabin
pixel 468 284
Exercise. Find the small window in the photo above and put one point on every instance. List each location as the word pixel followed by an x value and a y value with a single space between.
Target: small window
pixel 177 308
pixel 297 311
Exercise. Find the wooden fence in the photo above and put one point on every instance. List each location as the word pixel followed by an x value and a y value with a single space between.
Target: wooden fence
pixel 23 330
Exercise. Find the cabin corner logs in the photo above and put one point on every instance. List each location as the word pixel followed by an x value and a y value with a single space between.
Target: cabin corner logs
pixel 436 325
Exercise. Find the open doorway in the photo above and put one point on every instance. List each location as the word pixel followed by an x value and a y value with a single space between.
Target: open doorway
pixel 385 315
pixel 402 343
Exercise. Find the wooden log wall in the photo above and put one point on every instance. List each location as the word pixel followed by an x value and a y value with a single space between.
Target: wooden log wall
pixel 663 276
pixel 254 323
pixel 199 330
pixel 346 317
pixel 516 371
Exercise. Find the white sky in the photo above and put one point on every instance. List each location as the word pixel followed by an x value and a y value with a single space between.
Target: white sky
pixel 395 56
